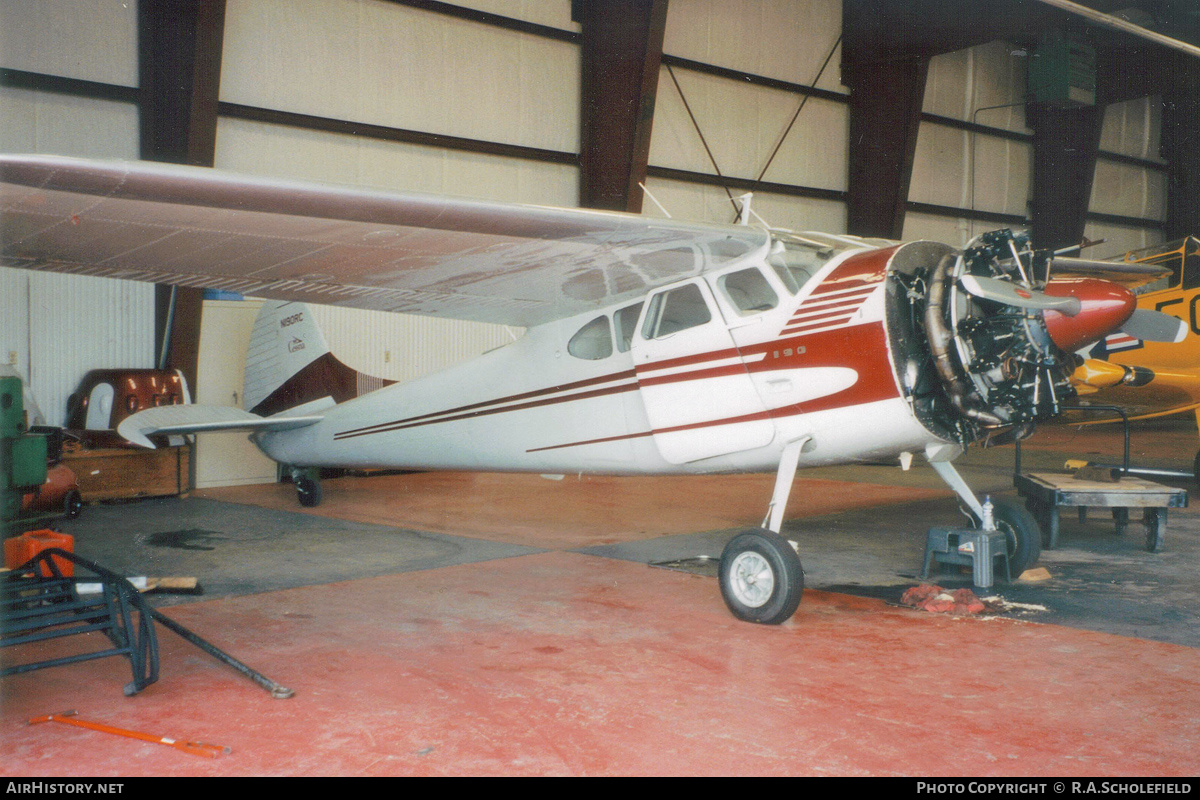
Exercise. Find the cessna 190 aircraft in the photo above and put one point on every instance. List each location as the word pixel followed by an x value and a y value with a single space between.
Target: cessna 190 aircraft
pixel 651 345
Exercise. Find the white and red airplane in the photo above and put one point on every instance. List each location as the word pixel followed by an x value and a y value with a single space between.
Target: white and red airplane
pixel 652 346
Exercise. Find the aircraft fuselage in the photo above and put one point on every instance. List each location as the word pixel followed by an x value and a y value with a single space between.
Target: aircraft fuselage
pixel 707 381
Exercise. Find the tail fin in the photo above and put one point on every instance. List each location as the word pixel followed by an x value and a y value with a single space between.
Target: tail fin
pixel 289 363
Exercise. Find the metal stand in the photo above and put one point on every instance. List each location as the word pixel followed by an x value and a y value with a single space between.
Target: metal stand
pixel 40 603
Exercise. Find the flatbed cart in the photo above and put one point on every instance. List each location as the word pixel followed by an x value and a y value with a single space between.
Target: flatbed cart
pixel 1046 493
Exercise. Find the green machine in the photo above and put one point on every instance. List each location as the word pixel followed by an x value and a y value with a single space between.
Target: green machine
pixel 22 454
pixel 1062 72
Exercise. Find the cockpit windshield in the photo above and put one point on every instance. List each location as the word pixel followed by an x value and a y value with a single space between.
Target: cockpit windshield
pixel 796 257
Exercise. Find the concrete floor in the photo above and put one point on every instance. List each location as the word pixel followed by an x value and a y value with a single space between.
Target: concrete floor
pixel 448 624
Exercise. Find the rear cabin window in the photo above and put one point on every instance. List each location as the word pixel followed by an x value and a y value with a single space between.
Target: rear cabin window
pixel 676 310
pixel 593 341
pixel 749 291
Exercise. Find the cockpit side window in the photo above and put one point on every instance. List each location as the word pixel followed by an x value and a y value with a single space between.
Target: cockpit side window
pixel 749 291
pixel 593 341
pixel 626 323
pixel 676 310
pixel 1191 265
pixel 1181 260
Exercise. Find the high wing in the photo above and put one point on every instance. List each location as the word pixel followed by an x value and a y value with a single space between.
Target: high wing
pixel 419 254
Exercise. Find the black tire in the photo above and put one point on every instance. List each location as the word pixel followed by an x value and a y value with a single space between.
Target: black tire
pixel 72 504
pixel 308 491
pixel 761 577
pixel 1196 468
pixel 1023 533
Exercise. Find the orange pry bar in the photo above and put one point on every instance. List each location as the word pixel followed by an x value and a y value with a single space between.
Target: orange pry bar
pixel 195 748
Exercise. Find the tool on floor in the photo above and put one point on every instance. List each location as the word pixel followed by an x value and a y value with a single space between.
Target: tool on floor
pixel 195 748
pixel 167 585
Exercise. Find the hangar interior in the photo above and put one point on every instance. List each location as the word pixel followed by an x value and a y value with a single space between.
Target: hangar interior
pixel 461 624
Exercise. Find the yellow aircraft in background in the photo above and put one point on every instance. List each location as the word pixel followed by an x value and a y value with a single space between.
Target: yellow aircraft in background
pixel 1149 378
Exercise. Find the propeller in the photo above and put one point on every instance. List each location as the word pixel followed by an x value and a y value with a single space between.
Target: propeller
pixel 1012 294
pixel 1069 297
pixel 1155 326
pixel 1005 360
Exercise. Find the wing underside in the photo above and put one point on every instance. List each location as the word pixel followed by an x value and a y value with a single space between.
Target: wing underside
pixel 420 254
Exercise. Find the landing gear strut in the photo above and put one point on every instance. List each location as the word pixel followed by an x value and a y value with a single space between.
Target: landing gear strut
pixel 761 577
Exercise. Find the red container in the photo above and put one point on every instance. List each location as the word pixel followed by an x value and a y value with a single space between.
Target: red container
pixel 20 549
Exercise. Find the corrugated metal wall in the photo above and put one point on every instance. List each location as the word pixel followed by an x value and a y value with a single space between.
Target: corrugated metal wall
pixel 742 122
pixel 787 40
pixel 388 64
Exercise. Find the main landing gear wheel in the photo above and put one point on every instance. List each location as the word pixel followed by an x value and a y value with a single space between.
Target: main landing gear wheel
pixel 761 577
pixel 1022 532
pixel 308 491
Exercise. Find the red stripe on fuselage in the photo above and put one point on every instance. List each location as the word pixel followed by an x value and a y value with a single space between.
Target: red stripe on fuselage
pixel 486 406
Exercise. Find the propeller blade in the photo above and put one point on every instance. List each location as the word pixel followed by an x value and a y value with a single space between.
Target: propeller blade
pixel 1155 326
pixel 1088 265
pixel 1011 294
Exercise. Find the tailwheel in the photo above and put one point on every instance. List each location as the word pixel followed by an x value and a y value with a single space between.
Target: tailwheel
pixel 308 490
pixel 761 577
pixel 1023 533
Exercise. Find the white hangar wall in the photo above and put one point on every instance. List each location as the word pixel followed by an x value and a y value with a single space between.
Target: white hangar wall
pixel 375 63
pixel 390 65
pixel 387 65
pixel 742 122
pixel 957 168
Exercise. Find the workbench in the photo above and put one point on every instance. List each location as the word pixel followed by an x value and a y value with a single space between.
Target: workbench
pixel 111 473
pixel 1046 492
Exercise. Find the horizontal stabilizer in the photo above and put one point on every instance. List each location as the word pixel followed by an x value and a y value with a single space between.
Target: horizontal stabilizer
pixel 181 419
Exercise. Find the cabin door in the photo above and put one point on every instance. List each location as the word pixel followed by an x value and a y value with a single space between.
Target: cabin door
pixel 697 391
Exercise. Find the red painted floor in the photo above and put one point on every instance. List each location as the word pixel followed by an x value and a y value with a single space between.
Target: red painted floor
pixel 566 664
pixel 560 663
